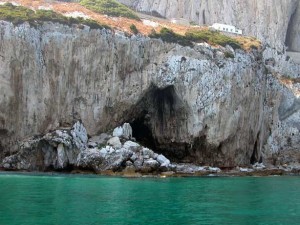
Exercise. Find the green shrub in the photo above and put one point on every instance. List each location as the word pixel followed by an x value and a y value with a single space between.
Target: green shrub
pixel 109 7
pixel 229 55
pixel 134 29
pixel 212 37
pixel 168 35
pixel 20 14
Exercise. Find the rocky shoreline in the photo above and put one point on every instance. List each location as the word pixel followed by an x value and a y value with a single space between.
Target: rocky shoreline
pixel 116 154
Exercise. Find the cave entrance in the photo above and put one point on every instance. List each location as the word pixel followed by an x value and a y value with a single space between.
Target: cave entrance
pixel 158 121
pixel 141 131
pixel 255 157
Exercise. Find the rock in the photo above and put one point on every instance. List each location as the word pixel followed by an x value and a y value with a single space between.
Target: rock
pixel 104 161
pixel 125 131
pixel 79 135
pixel 118 132
pixel 116 160
pixel 149 165
pixel 133 157
pixel 115 142
pixel 229 49
pixel 147 153
pixel 98 140
pixel 164 162
pixel 245 170
pixel 107 150
pixel 138 163
pixel 61 156
pixel 56 150
pixel 131 145
pixel 129 170
pixel 189 168
pixel 259 166
pixel 129 163
pixel 214 169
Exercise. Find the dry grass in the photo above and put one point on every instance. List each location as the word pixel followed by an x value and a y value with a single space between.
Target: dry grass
pixel 124 24
pixel 248 43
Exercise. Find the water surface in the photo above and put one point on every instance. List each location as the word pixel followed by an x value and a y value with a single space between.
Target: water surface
pixel 72 199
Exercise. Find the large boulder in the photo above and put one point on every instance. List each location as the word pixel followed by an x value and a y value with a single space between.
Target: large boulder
pixel 55 150
pixel 105 159
pixel 115 142
pixel 164 162
pixel 125 131
pixel 150 165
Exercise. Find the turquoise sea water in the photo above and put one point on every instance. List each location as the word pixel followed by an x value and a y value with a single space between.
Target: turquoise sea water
pixel 72 199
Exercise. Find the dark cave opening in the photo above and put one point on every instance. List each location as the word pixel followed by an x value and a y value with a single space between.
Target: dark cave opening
pixel 157 121
pixel 255 154
pixel 253 158
pixel 164 101
pixel 141 131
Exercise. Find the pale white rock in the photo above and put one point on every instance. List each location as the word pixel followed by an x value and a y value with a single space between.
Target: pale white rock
pixel 214 169
pixel 79 135
pixel 127 131
pixel 245 169
pixel 259 166
pixel 118 132
pixel 104 151
pixel 164 162
pixel 115 142
pixel 131 145
pixel 61 156
pixel 147 153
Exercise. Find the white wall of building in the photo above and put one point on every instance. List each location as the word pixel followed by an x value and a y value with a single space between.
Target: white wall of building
pixel 226 28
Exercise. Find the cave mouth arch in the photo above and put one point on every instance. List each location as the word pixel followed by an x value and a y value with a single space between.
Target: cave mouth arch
pixel 158 121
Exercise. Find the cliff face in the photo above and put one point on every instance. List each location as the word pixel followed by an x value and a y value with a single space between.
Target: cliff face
pixel 273 21
pixel 190 104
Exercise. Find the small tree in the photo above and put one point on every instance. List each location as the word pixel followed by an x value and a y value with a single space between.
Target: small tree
pixel 134 29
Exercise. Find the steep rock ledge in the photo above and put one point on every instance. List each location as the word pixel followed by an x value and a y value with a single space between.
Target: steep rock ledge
pixel 193 105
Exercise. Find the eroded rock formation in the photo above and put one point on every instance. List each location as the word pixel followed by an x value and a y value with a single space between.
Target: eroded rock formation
pixel 190 104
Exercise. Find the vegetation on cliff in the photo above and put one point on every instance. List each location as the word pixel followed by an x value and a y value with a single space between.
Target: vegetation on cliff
pixel 211 37
pixel 170 36
pixel 20 14
pixel 110 8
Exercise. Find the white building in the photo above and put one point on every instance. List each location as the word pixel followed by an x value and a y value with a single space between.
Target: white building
pixel 226 28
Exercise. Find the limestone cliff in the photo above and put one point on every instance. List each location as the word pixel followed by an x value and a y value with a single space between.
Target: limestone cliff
pixel 191 104
pixel 273 21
